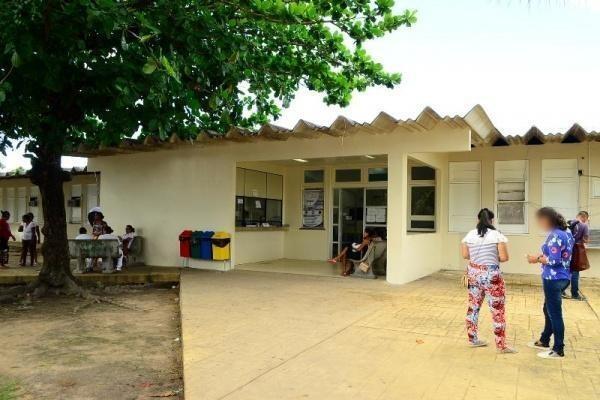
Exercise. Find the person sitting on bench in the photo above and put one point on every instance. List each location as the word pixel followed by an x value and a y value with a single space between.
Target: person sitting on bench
pixel 356 252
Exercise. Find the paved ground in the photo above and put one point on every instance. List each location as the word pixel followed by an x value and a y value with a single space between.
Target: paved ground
pixel 254 335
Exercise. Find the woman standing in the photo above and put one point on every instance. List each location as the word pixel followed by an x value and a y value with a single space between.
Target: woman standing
pixel 555 259
pixel 485 248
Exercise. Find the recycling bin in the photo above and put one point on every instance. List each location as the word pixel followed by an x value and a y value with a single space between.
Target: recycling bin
pixel 196 244
pixel 221 246
pixel 206 245
pixel 185 244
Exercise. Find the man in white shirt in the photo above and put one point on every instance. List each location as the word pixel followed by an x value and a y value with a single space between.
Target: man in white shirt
pixel 83 235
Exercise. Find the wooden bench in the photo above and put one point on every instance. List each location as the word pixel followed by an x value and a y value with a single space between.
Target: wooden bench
pixel 106 249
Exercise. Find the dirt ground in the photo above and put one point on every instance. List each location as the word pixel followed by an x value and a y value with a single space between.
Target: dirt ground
pixel 50 350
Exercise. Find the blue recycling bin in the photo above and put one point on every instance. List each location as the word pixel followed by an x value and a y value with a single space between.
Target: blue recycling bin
pixel 206 245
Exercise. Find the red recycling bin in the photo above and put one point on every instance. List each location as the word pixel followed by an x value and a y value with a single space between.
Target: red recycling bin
pixel 185 244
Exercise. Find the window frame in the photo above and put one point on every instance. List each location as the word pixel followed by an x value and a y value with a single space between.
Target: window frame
pixel 516 229
pixel 422 183
pixel 571 178
pixel 241 193
pixel 457 181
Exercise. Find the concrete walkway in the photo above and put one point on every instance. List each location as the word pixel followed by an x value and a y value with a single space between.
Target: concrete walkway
pixel 253 335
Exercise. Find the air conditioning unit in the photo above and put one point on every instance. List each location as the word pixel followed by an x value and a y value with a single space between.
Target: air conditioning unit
pixel 74 202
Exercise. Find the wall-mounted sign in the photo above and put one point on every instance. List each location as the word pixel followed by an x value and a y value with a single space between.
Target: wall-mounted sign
pixel 312 208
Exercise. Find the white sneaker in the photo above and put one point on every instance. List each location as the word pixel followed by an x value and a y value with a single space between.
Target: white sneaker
pixel 508 350
pixel 478 343
pixel 550 354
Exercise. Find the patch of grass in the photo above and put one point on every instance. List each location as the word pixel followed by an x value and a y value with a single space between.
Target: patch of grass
pixel 8 390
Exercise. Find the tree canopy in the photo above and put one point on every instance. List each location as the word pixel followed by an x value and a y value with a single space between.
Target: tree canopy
pixel 97 71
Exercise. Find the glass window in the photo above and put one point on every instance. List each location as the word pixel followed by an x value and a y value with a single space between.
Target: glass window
pixel 511 213
pixel 254 210
pixel 347 175
pixel 378 174
pixel 422 225
pixel 422 200
pixel 376 197
pixel 274 214
pixel 314 176
pixel 239 211
pixel 422 174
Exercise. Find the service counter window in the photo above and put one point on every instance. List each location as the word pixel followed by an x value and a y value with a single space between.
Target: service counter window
pixel 259 199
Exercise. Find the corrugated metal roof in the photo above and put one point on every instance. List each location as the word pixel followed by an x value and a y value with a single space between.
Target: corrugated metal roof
pixel 484 132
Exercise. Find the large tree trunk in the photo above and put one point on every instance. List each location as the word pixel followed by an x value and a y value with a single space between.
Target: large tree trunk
pixel 48 175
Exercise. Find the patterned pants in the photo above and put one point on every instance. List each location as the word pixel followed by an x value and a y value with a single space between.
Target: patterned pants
pixel 486 280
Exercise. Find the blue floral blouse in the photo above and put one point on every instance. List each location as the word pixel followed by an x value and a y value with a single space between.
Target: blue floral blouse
pixel 558 248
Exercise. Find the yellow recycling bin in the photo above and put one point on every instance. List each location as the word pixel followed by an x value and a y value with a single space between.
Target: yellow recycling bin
pixel 221 246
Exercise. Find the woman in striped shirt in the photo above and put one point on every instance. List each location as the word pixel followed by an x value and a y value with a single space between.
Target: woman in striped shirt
pixel 485 248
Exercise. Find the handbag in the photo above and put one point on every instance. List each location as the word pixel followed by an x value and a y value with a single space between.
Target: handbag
pixel 579 258
pixel 364 267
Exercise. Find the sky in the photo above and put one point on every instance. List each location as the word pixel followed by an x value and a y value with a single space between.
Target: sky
pixel 527 63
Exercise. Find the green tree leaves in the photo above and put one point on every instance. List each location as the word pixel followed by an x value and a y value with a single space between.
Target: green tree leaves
pixel 97 71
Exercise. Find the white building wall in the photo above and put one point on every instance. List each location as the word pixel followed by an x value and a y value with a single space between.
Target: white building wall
pixel 193 187
pixel 588 161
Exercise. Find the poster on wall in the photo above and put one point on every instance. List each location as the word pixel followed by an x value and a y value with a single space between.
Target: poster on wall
pixel 312 208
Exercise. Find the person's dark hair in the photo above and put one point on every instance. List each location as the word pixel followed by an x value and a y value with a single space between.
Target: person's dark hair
pixel 82 231
pixel 131 228
pixel 108 230
pixel 485 217
pixel 553 216
pixel 5 215
pixel 370 232
pixel 381 233
pixel 584 214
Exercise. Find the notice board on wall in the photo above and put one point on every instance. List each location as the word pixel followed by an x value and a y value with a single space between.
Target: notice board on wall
pixel 312 208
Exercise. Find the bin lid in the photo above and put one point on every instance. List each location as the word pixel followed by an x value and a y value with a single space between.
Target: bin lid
pixel 207 234
pixel 221 235
pixel 197 234
pixel 186 234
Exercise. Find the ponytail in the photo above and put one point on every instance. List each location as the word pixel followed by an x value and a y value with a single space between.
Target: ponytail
pixel 485 217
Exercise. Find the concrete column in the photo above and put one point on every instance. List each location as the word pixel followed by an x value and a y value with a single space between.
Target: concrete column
pixel 397 215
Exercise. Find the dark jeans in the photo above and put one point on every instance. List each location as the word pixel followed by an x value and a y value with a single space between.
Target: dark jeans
pixel 574 283
pixel 554 323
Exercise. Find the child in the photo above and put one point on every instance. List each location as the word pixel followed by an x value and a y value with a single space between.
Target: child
pixel 127 239
pixel 28 239
pixel 36 238
pixel 98 226
pixel 5 234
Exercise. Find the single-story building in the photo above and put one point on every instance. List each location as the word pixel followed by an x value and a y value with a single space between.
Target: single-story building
pixel 19 196
pixel 302 193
